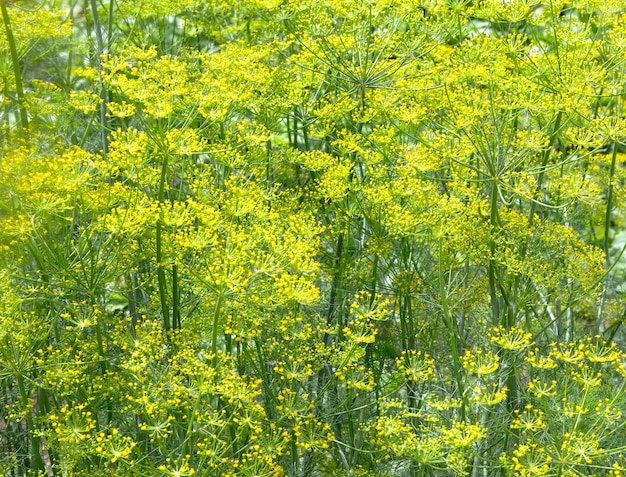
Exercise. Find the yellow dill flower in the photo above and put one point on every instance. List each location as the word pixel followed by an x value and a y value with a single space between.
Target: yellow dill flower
pixel 512 339
pixel 597 352
pixel 617 470
pixel 570 353
pixel 540 362
pixel 587 377
pixel 541 389
pixel 608 411
pixel 530 420
pixel 121 110
pixel 463 435
pixel 444 404
pixel 417 366
pixel 480 362
pixel 489 395
pixel 573 409
pixel 579 448
pixel 530 460
pixel 84 101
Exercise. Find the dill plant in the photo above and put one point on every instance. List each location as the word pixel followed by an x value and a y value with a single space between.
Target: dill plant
pixel 312 238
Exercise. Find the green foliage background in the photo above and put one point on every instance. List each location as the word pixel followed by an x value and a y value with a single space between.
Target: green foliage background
pixel 337 237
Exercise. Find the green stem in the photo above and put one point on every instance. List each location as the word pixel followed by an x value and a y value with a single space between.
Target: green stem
pixel 99 342
pixel 334 291
pixel 305 136
pixel 544 162
pixel 34 439
pixel 103 91
pixel 478 462
pixel 268 165
pixel 262 370
pixel 110 25
pixel 216 318
pixel 609 203
pixel 493 221
pixel 159 251
pixel 175 298
pixel 16 64
pixel 189 434
pixel 451 334
pixel 161 278
pixel 131 295
pixel 103 366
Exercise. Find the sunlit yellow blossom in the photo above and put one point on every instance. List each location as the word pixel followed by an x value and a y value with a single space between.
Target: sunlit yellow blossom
pixel 480 362
pixel 513 339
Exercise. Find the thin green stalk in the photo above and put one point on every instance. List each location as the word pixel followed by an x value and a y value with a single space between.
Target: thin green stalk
pixel 404 333
pixel 512 398
pixel 189 433
pixel 99 342
pixel 493 220
pixel 349 403
pixel 175 298
pixel 34 438
pixel 103 91
pixel 16 64
pixel 262 370
pixel 268 170
pixel 70 52
pixel 216 318
pixel 159 251
pixel 451 334
pixel 406 314
pixel 131 295
pixel 103 367
pixel 368 350
pixel 110 24
pixel 332 302
pixel 291 131
pixel 544 162
pixel 411 342
pixel 295 461
pixel 609 203
pixel 305 136
pixel 161 277
pixel 374 280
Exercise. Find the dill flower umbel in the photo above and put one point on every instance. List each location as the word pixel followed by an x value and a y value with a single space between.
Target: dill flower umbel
pixel 416 365
pixel 480 362
pixel 512 339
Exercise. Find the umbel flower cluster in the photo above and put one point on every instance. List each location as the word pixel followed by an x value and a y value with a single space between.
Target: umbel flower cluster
pixel 312 238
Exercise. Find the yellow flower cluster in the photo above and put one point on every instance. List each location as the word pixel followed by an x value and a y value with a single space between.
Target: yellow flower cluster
pixel 335 237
